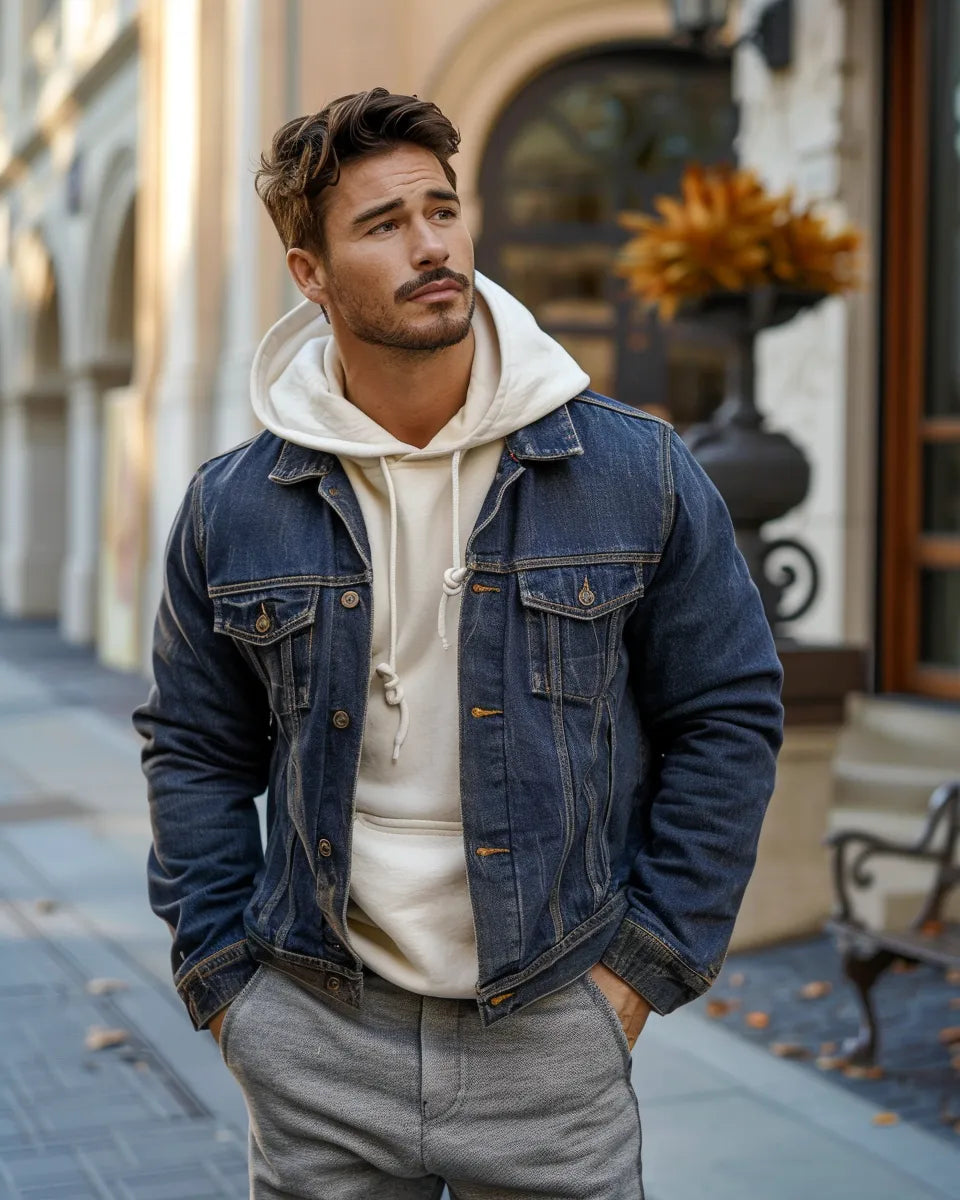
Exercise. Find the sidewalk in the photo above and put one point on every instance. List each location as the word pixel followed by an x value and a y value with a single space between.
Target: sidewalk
pixel 158 1117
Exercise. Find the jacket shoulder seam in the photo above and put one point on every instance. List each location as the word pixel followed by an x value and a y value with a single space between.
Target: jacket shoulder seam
pixel 625 410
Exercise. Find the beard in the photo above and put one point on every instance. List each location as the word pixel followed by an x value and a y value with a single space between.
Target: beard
pixel 377 324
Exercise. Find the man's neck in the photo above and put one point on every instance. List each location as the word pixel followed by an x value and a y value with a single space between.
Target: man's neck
pixel 410 395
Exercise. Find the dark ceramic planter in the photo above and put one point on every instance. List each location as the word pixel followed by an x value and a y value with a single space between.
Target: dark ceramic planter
pixel 761 475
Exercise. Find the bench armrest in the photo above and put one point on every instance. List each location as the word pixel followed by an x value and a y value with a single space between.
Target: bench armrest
pixel 852 849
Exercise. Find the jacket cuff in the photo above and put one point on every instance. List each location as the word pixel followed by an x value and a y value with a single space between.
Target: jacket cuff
pixel 652 968
pixel 212 983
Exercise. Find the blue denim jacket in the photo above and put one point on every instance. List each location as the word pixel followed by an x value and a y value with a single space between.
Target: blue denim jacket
pixel 619 716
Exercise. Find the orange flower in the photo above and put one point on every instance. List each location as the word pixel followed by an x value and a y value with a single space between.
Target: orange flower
pixel 727 233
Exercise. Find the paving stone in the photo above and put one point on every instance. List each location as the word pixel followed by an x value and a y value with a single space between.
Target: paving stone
pixel 918 1079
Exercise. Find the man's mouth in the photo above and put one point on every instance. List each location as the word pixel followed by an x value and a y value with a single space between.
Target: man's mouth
pixel 437 292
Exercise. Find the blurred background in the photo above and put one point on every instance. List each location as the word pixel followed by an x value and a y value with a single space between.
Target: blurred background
pixel 138 272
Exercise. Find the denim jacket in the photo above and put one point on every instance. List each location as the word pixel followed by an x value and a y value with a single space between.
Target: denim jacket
pixel 619 717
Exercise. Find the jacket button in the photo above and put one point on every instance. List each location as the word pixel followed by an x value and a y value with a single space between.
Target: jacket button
pixel 324 847
pixel 341 719
pixel 263 623
pixel 333 983
pixel 349 599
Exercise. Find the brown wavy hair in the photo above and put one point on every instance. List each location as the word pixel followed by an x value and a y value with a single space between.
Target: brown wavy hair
pixel 306 155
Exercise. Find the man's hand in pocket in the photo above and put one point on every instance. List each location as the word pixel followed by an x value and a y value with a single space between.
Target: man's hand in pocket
pixel 629 1005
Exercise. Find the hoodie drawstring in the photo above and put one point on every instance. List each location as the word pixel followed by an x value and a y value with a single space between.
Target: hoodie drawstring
pixel 392 691
pixel 454 576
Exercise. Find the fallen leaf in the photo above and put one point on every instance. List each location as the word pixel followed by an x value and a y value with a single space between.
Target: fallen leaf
pixel 950 1036
pixel 831 1062
pixel 828 1047
pixel 886 1118
pixel 46 905
pixel 718 1008
pixel 817 989
pixel 932 929
pixel 853 1071
pixel 757 1020
pixel 141 1066
pixel 955 1002
pixel 902 967
pixel 100 987
pixel 953 976
pixel 100 1038
pixel 737 980
pixel 789 1050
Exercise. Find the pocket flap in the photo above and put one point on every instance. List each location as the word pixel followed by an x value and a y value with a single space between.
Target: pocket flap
pixel 584 592
pixel 266 614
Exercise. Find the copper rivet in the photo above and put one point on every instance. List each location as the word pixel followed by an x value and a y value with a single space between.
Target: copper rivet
pixel 263 623
pixel 324 847
pixel 341 719
pixel 332 491
pixel 349 599
pixel 333 984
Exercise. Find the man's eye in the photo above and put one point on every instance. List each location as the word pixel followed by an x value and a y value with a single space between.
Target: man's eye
pixel 446 212
pixel 383 225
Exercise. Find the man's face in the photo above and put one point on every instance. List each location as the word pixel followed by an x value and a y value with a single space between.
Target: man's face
pixel 398 265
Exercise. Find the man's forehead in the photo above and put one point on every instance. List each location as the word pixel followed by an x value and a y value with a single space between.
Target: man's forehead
pixel 387 176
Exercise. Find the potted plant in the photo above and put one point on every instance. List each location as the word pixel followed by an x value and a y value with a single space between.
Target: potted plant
pixel 732 254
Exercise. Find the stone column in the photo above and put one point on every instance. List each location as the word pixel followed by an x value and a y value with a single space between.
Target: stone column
pixel 258 78
pixel 33 502
pixel 78 580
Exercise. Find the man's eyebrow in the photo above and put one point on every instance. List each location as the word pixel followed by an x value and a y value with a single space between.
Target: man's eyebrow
pixel 389 206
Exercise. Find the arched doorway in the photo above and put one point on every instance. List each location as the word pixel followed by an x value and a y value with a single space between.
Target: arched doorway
pixel 34 443
pixel 589 138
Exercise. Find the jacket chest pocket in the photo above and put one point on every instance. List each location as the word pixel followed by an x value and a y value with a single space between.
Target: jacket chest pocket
pixel 274 630
pixel 574 618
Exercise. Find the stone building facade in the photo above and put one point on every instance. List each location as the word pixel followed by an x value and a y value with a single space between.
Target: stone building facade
pixel 137 270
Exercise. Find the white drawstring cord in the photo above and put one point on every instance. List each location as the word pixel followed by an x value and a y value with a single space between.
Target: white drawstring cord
pixel 454 576
pixel 387 671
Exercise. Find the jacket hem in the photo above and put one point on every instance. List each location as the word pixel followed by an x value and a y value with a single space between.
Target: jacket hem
pixel 215 981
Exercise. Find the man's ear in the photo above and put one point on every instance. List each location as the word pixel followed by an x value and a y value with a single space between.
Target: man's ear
pixel 308 274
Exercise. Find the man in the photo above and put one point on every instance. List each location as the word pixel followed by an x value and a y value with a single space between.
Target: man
pixel 485 639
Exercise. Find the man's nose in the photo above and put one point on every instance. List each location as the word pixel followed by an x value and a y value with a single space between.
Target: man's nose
pixel 429 248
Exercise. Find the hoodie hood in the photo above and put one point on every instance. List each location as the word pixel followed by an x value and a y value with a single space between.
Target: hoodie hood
pixel 297 383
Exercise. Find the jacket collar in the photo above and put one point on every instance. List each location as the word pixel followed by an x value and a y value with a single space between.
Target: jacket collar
pixel 552 437
pixel 297 463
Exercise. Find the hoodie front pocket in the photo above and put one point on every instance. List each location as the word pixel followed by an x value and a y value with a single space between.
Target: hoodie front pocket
pixel 273 628
pixel 575 617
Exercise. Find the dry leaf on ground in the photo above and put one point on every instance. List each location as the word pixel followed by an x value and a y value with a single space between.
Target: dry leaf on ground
pixel 757 1020
pixel 954 1002
pixel 902 967
pixel 853 1071
pixel 828 1047
pixel 101 987
pixel 886 1118
pixel 737 980
pixel 953 976
pixel 46 905
pixel 816 989
pixel 932 929
pixel 950 1036
pixel 831 1062
pixel 718 1008
pixel 789 1050
pixel 99 1038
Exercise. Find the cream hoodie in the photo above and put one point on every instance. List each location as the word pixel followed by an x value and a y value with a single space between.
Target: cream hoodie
pixel 409 917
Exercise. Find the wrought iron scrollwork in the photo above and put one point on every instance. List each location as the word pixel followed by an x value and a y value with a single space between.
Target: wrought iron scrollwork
pixel 785 576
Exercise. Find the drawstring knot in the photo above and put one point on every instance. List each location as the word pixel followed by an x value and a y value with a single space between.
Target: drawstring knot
pixel 393 695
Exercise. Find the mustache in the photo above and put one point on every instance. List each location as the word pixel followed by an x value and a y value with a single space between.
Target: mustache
pixel 406 290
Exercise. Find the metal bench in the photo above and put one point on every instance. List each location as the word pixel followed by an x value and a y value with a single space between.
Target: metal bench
pixel 931 938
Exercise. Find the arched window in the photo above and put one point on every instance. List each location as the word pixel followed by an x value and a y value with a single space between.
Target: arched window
pixel 586 140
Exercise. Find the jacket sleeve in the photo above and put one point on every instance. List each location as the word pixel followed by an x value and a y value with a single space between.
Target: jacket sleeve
pixel 205 757
pixel 707 680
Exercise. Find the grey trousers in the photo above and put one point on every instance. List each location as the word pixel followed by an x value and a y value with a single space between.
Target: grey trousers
pixel 410 1092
